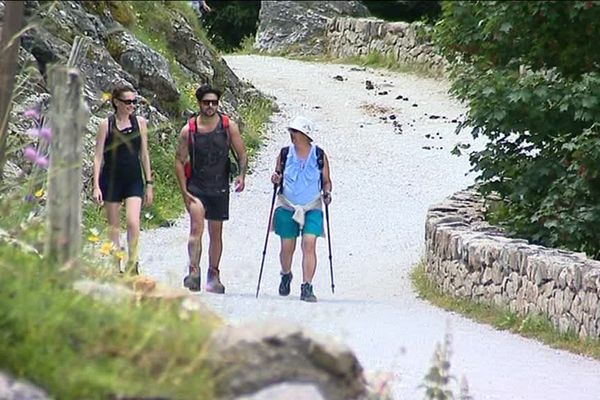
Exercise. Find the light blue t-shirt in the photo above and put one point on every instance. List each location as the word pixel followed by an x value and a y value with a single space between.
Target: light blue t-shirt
pixel 301 178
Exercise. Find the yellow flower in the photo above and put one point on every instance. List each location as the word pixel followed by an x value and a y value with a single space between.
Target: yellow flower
pixel 93 238
pixel 106 248
pixel 39 193
pixel 106 96
pixel 120 254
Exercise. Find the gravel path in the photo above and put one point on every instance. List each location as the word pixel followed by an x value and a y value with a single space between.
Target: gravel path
pixel 383 183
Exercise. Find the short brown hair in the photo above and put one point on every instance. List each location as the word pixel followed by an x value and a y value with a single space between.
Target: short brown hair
pixel 118 90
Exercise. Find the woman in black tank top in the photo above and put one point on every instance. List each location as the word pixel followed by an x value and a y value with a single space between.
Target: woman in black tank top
pixel 121 153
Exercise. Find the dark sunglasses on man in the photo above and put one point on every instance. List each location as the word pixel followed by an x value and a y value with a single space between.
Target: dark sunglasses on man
pixel 213 103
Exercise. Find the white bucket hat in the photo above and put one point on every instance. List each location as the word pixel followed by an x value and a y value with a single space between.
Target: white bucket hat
pixel 302 124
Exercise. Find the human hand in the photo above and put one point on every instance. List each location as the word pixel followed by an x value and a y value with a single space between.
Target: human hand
pixel 97 196
pixel 188 198
pixel 149 198
pixel 276 178
pixel 327 198
pixel 240 184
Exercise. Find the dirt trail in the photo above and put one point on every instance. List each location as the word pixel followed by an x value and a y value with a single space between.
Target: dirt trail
pixel 385 175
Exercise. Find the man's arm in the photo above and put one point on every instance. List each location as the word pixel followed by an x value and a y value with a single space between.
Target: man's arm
pixel 238 146
pixel 181 157
pixel 327 184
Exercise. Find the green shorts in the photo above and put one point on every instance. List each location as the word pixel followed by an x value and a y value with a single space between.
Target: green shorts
pixel 287 228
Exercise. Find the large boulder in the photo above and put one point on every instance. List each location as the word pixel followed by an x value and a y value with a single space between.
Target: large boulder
pixel 149 67
pixel 299 27
pixel 256 356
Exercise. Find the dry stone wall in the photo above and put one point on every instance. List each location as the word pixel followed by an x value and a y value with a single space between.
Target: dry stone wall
pixel 407 43
pixel 467 257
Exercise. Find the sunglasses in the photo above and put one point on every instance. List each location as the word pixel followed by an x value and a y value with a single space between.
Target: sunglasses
pixel 128 102
pixel 210 102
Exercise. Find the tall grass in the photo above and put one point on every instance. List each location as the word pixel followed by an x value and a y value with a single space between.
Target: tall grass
pixel 78 348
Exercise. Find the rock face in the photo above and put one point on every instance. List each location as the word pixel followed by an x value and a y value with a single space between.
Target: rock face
pixel 13 389
pixel 299 27
pixel 255 356
pixel 115 55
pixel 467 257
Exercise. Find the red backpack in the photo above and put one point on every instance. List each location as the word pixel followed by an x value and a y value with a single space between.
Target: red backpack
pixel 187 167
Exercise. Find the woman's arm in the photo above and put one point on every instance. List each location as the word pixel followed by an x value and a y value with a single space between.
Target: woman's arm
pixel 143 124
pixel 99 158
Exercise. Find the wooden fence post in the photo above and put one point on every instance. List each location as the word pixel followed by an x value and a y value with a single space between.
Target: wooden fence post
pixel 78 52
pixel 68 118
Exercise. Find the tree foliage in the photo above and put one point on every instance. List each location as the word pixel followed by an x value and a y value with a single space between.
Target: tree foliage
pixel 231 21
pixel 529 74
pixel 404 10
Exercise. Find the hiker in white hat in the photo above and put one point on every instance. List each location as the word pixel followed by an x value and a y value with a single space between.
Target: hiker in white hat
pixel 302 174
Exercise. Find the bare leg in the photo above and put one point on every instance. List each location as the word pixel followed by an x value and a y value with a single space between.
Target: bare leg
pixel 196 210
pixel 133 207
pixel 112 215
pixel 288 246
pixel 215 245
pixel 309 257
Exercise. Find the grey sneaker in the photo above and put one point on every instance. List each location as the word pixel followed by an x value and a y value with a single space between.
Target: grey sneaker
pixel 306 293
pixel 284 285
pixel 213 281
pixel 193 281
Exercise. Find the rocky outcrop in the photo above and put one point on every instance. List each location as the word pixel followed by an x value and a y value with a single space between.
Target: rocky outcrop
pixel 255 356
pixel 299 27
pixel 467 257
pixel 115 55
pixel 13 389
pixel 407 43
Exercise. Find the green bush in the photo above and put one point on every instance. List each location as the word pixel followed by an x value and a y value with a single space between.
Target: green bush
pixel 529 74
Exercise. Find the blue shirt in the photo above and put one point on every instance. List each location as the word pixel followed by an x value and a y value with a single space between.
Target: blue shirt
pixel 301 178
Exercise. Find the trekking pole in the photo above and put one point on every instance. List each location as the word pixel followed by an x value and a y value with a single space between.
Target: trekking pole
pixel 329 245
pixel 262 263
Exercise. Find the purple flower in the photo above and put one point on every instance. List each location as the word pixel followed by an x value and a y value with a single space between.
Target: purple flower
pixel 42 162
pixel 44 133
pixel 30 154
pixel 32 113
pixel 29 198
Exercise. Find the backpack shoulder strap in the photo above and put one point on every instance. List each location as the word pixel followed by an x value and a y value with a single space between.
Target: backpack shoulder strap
pixel 320 158
pixel 283 153
pixel 191 129
pixel 111 124
pixel 135 126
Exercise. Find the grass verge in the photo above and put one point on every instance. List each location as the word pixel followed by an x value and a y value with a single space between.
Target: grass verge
pixel 78 348
pixel 532 326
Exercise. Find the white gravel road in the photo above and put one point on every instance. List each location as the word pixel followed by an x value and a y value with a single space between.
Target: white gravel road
pixel 383 183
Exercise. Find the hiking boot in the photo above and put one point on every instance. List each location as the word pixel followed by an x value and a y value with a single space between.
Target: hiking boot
pixel 306 293
pixel 284 285
pixel 193 280
pixel 213 283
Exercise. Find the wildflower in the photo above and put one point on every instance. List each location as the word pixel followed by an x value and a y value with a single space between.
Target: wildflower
pixel 44 133
pixel 39 194
pixel 120 255
pixel 29 198
pixel 106 248
pixel 106 97
pixel 93 238
pixel 32 113
pixel 32 155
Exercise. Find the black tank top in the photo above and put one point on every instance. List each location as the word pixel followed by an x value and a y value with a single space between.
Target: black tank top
pixel 122 149
pixel 209 154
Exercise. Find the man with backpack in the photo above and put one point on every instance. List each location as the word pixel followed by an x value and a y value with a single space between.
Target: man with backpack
pixel 302 173
pixel 203 169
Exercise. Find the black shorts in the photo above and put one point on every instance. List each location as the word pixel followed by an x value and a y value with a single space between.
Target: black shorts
pixel 120 188
pixel 216 207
